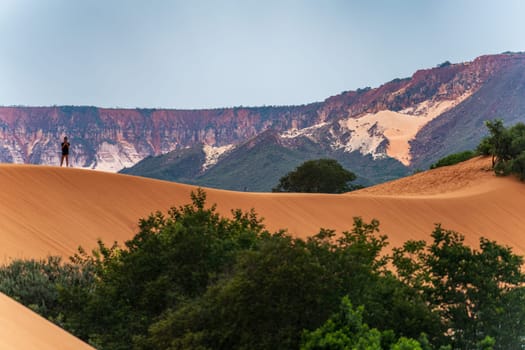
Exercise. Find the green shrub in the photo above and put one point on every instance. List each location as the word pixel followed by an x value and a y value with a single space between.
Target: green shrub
pixel 454 159
pixel 37 283
pixel 507 148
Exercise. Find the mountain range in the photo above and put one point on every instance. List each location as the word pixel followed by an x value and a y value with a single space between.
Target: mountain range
pixel 378 133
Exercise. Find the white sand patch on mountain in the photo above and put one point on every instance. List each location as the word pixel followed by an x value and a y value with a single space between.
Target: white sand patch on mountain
pixel 369 131
pixel 113 157
pixel 307 132
pixel 213 154
pixel 366 136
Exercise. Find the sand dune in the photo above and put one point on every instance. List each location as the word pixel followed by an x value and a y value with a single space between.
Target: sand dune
pixel 21 328
pixel 50 210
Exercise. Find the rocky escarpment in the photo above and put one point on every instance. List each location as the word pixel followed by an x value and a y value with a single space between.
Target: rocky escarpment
pixel 111 139
pixel 446 82
pixel 501 95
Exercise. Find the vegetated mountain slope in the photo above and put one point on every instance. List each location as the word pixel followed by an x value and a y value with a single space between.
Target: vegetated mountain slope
pixel 182 166
pixel 412 121
pixel 24 329
pixel 257 164
pixel 49 210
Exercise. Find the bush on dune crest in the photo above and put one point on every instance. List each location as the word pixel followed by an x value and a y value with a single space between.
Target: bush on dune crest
pixel 318 176
pixel 193 279
pixel 454 159
pixel 506 146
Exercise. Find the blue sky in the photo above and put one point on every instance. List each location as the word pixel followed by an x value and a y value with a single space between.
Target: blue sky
pixel 206 54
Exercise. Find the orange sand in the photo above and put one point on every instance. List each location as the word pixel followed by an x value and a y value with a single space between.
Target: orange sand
pixel 21 328
pixel 50 210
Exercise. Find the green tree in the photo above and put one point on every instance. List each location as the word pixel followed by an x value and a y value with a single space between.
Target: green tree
pixel 274 293
pixel 517 150
pixel 346 329
pixel 357 259
pixel 407 344
pixel 286 285
pixel 497 144
pixel 506 146
pixel 475 291
pixel 193 279
pixel 317 176
pixel 171 259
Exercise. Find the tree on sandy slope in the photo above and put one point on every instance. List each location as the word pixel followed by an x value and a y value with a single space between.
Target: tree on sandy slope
pixel 497 143
pixel 317 176
pixel 506 146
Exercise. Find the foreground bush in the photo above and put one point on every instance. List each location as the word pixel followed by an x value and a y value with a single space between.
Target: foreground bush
pixel 37 283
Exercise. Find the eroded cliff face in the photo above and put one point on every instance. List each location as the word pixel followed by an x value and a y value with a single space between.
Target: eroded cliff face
pixel 448 82
pixel 383 122
pixel 387 121
pixel 110 139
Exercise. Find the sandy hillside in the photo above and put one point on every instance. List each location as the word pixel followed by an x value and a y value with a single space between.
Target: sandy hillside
pixel 50 210
pixel 21 328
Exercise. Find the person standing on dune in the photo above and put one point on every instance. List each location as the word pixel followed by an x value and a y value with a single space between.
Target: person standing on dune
pixel 65 152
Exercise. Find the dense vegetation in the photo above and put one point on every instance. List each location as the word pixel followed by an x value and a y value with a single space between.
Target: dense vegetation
pixel 317 176
pixel 192 279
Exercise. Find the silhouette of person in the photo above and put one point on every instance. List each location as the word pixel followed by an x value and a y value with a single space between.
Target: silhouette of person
pixel 65 152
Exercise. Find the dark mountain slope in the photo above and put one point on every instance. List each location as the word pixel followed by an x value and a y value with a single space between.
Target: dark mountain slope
pixel 502 96
pixel 182 166
pixel 258 164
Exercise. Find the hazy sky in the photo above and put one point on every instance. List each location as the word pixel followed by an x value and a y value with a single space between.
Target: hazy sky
pixel 205 53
